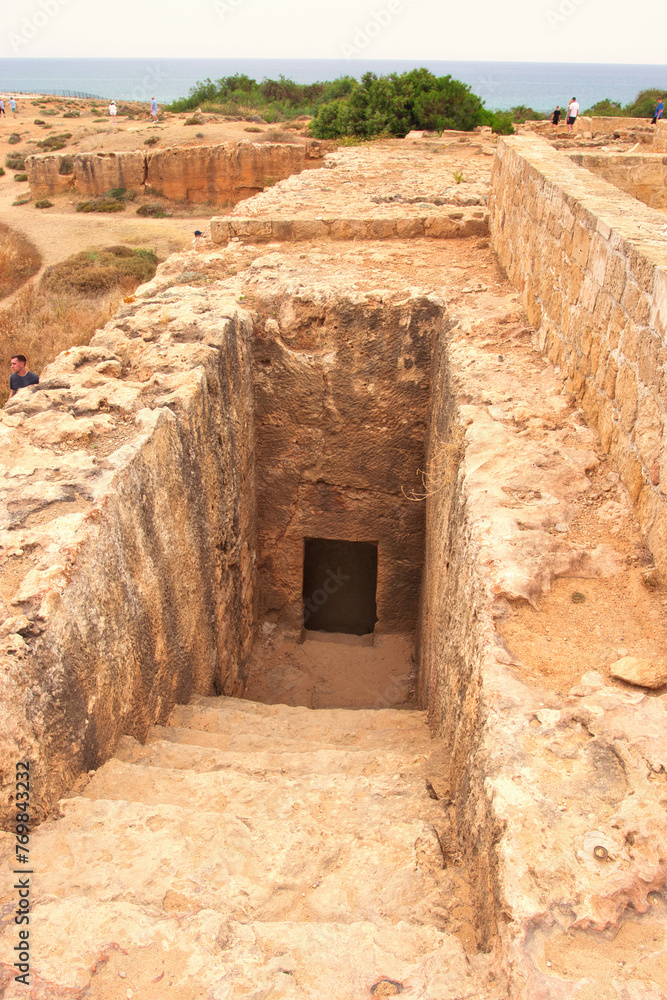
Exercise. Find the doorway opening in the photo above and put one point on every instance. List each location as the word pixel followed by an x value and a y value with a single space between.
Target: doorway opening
pixel 339 586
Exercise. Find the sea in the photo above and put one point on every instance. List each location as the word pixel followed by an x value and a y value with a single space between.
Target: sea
pixel 501 85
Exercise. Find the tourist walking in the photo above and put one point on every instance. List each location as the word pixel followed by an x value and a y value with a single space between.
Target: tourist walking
pixel 659 111
pixel 154 110
pixel 572 112
pixel 20 376
pixel 2 108
pixel 555 118
pixel 112 111
pixel 12 104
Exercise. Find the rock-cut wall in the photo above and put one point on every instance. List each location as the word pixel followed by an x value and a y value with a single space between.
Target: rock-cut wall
pixel 590 262
pixel 127 547
pixel 219 175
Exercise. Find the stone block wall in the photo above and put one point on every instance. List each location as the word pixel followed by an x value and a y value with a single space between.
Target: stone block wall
pixel 126 536
pixel 590 263
pixel 660 139
pixel 642 175
pixel 219 175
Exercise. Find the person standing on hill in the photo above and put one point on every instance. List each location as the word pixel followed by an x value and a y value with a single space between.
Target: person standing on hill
pixel 12 104
pixel 572 112
pixel 154 110
pixel 555 118
pixel 659 111
pixel 20 376
pixel 112 111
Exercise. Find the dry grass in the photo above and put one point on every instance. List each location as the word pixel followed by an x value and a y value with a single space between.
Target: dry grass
pixel 19 260
pixel 41 324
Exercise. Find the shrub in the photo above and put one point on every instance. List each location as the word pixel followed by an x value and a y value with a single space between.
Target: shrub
pixel 252 128
pixel 644 103
pixel 14 139
pixel 72 114
pixel 44 203
pixel 20 177
pixel 54 142
pixel 101 205
pixel 2 171
pixel 93 273
pixel 152 211
pixel 152 140
pixel 194 120
pixel 397 103
pixel 66 166
pixel 15 161
pixel 522 113
pixel 117 193
pixel 606 109
pixel 39 121
pixel 25 200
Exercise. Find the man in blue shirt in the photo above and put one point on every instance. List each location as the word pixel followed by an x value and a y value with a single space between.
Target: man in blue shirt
pixel 20 376
pixel 659 111
pixel 154 110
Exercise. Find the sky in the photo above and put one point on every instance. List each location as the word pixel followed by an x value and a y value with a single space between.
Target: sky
pixel 602 31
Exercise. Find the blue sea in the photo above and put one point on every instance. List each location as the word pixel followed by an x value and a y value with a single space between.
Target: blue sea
pixel 501 85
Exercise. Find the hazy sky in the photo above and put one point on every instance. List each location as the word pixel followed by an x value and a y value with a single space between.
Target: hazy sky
pixel 523 30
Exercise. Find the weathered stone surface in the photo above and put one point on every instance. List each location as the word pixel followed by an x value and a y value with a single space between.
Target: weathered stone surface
pixel 127 535
pixel 222 174
pixel 619 247
pixel 637 670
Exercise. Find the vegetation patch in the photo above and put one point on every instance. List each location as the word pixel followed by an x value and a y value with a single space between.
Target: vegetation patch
pixel 25 200
pixel 20 177
pixel 44 203
pixel 72 114
pixel 152 140
pixel 15 161
pixel 19 260
pixel 643 105
pixel 93 272
pixel 101 205
pixel 152 211
pixel 54 142
pixel 14 139
pixel 66 166
pixel 39 121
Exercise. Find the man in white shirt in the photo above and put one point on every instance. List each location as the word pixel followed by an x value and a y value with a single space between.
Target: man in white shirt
pixel 572 112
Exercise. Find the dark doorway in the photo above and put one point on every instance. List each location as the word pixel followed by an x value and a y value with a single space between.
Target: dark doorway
pixel 339 583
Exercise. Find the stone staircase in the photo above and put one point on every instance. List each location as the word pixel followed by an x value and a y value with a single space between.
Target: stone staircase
pixel 254 851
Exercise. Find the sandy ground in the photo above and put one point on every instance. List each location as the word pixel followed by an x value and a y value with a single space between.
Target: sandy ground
pixel 60 231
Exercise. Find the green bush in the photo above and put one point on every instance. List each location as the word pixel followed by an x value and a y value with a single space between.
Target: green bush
pixel 644 103
pixel 101 205
pixel 152 211
pixel 72 114
pixel 44 203
pixel 152 140
pixel 54 142
pixel 523 113
pixel 606 109
pixel 278 99
pixel 14 139
pixel 39 121
pixel 397 103
pixel 25 200
pixel 20 177
pixel 500 121
pixel 15 161
pixel 2 171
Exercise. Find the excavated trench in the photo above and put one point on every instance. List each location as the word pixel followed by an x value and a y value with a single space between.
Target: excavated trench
pixel 341 413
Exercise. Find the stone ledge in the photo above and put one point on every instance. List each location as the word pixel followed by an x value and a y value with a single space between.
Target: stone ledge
pixel 453 225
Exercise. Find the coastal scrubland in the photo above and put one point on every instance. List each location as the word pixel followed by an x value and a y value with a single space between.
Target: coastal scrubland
pixel 19 260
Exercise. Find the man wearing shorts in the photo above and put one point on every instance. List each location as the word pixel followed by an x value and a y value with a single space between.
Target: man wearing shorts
pixel 572 112
pixel 659 111
pixel 112 111
pixel 154 110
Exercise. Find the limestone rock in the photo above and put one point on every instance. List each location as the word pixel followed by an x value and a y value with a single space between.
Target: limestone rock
pixel 637 670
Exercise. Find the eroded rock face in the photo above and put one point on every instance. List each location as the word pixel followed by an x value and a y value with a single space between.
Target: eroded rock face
pixel 342 386
pixel 222 175
pixel 128 548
